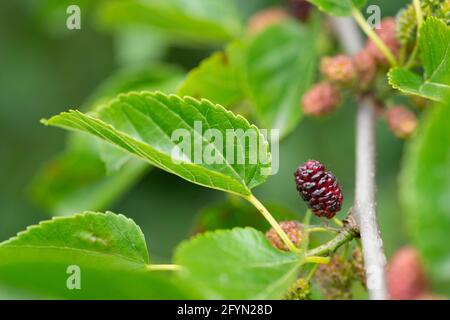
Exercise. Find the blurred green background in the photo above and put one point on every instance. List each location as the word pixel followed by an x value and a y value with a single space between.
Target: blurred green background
pixel 45 69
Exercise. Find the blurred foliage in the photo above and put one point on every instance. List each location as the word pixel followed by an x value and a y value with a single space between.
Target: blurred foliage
pixel 50 69
pixel 425 186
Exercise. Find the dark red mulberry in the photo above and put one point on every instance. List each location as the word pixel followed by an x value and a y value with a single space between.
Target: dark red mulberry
pixel 319 188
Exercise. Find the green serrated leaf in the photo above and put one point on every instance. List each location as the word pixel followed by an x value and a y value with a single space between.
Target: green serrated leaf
pixel 142 125
pixel 236 264
pixel 434 46
pixel 186 21
pixel 77 179
pixel 424 191
pixel 217 78
pixel 102 233
pixel 338 7
pixel 280 67
pixel 109 250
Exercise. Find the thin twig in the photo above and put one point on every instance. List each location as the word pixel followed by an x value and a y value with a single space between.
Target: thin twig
pixel 330 247
pixel 364 209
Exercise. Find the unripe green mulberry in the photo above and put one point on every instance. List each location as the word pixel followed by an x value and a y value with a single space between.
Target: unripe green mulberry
pixel 406 25
pixel 444 12
pixel 300 290
pixel 358 266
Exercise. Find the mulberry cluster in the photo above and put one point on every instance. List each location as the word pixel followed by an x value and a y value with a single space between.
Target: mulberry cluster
pixel 319 188
pixel 406 28
pixel 293 230
pixel 335 279
pixel 342 71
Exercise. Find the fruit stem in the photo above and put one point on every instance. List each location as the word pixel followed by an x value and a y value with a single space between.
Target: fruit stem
pixel 317 260
pixel 322 229
pixel 312 272
pixel 338 222
pixel 163 267
pixel 359 18
pixel 331 246
pixel 419 14
pixel 266 214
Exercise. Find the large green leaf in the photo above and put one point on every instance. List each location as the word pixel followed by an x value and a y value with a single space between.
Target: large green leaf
pixel 77 179
pixel 425 190
pixel 109 249
pixel 198 20
pixel 338 7
pixel 143 124
pixel 217 78
pixel 280 67
pixel 236 264
pixel 434 46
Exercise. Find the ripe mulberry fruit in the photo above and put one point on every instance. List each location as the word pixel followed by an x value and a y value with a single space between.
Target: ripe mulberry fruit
pixel 266 18
pixel 339 69
pixel 405 275
pixel 401 121
pixel 388 34
pixel 321 99
pixel 320 188
pixel 293 230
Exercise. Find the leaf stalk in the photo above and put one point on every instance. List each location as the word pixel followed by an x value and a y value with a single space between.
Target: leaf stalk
pixel 266 214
